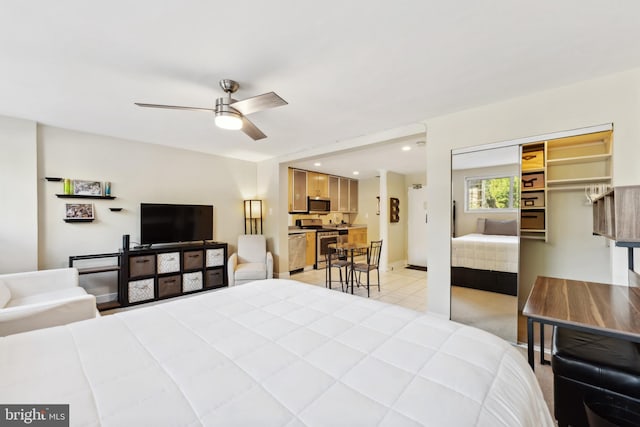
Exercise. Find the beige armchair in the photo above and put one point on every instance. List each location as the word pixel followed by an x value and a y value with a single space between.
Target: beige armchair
pixel 251 261
pixel 42 299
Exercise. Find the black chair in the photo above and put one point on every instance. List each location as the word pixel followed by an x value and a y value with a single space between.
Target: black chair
pixel 593 372
pixel 335 260
pixel 373 262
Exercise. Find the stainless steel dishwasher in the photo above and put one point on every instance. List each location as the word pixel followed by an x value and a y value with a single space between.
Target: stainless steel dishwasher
pixel 297 251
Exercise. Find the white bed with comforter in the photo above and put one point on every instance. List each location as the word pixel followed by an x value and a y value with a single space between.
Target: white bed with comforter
pixel 486 252
pixel 273 353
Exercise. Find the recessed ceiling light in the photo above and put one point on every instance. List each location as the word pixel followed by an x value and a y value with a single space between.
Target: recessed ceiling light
pixel 317 164
pixel 406 148
pixel 356 173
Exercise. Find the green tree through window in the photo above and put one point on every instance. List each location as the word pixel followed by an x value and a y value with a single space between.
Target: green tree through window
pixel 492 193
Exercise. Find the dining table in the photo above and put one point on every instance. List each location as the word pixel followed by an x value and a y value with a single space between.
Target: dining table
pixel 351 250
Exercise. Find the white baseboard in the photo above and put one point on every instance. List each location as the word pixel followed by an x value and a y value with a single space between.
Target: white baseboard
pixel 397 265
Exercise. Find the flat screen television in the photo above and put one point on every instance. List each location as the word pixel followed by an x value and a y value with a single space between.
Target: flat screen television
pixel 165 223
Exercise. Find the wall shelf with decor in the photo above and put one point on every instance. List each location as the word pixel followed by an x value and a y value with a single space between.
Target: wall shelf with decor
pixel 82 188
pixel 79 219
pixel 83 196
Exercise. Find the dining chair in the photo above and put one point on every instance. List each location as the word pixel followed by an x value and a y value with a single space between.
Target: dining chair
pixel 334 260
pixel 373 262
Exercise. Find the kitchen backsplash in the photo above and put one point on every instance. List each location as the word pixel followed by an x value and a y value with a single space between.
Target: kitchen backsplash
pixel 332 218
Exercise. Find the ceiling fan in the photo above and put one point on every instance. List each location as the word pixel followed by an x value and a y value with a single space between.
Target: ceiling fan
pixel 230 113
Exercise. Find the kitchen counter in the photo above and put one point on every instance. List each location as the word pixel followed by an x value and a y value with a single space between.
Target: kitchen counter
pixel 345 226
pixel 294 230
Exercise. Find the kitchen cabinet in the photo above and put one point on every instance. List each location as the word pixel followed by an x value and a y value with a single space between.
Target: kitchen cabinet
pixel 353 195
pixel 343 195
pixel 347 195
pixel 342 192
pixel 358 235
pixel 297 190
pixel 334 192
pixel 317 185
pixel 311 248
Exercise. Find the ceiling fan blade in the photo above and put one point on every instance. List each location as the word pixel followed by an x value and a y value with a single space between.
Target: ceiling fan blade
pixel 258 103
pixel 251 130
pixel 173 107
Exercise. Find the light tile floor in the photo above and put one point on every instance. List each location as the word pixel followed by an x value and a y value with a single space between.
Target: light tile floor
pixel 401 286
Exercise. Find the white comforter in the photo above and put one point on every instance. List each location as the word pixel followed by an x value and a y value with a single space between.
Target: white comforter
pixel 273 353
pixel 486 252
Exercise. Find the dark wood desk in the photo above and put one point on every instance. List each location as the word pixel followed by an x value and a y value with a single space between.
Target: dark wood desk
pixel 591 307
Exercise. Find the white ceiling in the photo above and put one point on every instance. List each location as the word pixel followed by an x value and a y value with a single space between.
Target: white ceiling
pixel 347 68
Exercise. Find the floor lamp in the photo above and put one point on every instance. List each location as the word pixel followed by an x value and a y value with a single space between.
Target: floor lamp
pixel 253 217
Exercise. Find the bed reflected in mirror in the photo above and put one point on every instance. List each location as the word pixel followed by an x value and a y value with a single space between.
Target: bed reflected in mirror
pixel 485 244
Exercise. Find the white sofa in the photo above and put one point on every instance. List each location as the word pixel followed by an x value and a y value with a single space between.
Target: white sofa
pixel 41 299
pixel 251 261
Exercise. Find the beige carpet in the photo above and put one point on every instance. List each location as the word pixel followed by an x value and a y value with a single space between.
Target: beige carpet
pixel 544 376
pixel 489 311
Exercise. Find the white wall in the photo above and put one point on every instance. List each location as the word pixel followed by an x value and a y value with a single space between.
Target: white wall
pixel 397 231
pixel 368 190
pixel 415 178
pixel 18 196
pixel 138 172
pixel 396 242
pixel 274 213
pixel 614 98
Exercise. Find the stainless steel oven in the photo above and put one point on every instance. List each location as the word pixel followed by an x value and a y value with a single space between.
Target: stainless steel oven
pixel 323 239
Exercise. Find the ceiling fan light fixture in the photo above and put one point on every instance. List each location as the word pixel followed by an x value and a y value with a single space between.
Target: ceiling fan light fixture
pixel 230 113
pixel 227 117
pixel 228 120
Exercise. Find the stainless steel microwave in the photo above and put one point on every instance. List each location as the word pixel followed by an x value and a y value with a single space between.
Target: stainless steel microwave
pixel 318 206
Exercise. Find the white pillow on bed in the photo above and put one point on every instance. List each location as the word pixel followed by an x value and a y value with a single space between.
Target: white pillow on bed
pixel 5 294
pixel 480 225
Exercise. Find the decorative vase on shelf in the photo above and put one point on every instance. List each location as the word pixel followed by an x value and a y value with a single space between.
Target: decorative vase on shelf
pixel 67 186
pixel 107 188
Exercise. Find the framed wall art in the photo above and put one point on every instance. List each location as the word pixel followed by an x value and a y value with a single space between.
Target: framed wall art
pixel 87 188
pixel 79 212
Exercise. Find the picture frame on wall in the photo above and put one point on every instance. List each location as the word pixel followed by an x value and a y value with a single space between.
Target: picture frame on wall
pixel 87 188
pixel 79 211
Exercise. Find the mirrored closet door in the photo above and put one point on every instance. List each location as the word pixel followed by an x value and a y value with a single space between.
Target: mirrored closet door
pixel 485 243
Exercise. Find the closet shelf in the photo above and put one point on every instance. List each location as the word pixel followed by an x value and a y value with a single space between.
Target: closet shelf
pixel 586 180
pixel 578 160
